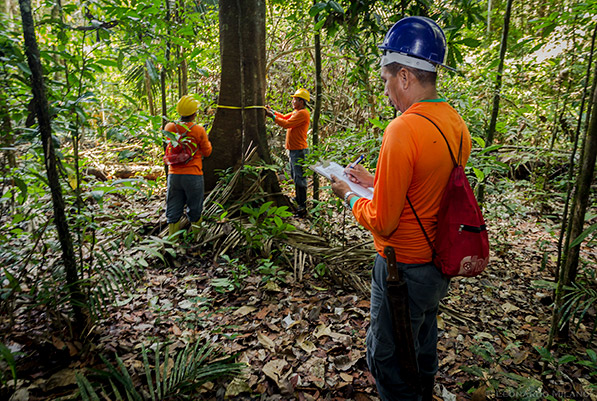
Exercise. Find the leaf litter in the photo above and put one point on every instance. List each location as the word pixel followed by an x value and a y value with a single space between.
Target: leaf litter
pixel 305 339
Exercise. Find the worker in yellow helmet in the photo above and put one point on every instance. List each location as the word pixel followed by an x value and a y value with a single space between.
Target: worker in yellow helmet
pixel 185 173
pixel 297 125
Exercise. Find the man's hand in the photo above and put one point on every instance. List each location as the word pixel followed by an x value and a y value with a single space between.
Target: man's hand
pixel 269 112
pixel 339 187
pixel 360 175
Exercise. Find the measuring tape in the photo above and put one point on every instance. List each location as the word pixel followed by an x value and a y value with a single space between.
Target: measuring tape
pixel 239 107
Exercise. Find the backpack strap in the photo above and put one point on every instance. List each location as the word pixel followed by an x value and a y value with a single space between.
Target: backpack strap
pixel 446 139
pixel 187 128
pixel 422 228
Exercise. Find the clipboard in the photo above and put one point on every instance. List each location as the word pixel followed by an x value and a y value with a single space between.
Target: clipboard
pixel 327 168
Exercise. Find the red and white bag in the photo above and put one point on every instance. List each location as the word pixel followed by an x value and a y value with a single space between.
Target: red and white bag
pixel 461 246
pixel 179 151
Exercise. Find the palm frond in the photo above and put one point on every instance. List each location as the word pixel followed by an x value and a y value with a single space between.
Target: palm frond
pixel 190 369
pixel 577 302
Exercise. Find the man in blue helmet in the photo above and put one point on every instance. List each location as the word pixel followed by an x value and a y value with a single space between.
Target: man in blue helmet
pixel 413 169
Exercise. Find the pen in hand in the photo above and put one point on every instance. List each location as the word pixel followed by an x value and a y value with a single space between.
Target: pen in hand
pixel 357 161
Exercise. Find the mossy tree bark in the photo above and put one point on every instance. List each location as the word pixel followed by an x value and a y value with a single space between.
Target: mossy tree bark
pixel 43 117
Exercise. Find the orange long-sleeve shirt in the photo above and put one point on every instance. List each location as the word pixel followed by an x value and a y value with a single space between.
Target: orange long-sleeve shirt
pixel 414 161
pixel 198 136
pixel 297 125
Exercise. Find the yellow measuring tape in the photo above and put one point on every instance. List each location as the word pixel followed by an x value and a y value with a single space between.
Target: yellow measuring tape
pixel 239 107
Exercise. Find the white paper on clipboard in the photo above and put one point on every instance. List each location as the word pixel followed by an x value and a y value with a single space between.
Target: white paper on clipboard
pixel 327 168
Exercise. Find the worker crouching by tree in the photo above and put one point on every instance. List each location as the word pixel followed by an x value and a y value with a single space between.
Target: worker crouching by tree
pixel 185 174
pixel 297 125
pixel 414 166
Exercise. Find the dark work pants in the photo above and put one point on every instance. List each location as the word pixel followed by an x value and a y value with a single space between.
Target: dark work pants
pixel 297 174
pixel 426 287
pixel 184 189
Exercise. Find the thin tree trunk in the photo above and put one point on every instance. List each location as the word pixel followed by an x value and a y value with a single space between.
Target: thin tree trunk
pixel 317 111
pixel 184 76
pixel 43 118
pixel 488 16
pixel 163 72
pixel 569 269
pixel 149 93
pixel 7 134
pixel 498 88
pixel 574 149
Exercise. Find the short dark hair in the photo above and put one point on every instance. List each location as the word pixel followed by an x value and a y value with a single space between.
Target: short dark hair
pixel 188 118
pixel 424 77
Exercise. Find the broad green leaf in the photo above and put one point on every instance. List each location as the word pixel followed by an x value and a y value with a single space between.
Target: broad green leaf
pixel 107 63
pixel 319 25
pixel 566 359
pixel 480 175
pixel 480 141
pixel 471 42
pixel 316 9
pixel 336 7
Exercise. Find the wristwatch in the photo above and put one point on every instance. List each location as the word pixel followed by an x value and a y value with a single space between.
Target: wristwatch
pixel 346 195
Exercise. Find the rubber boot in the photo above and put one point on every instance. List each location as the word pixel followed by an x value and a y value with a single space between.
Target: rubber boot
pixel 173 228
pixel 196 228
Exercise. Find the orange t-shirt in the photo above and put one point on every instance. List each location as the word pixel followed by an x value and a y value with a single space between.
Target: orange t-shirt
pixel 414 160
pixel 198 137
pixel 297 124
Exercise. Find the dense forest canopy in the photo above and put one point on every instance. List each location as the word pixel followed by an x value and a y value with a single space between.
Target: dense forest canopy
pixel 113 71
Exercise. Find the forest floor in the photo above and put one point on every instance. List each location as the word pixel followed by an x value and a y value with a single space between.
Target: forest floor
pixel 305 340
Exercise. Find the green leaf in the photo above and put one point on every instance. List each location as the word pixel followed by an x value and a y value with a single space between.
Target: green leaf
pixel 264 207
pixel 480 175
pixel 12 280
pixel 319 25
pixel 107 63
pixel 336 7
pixel 480 141
pixel 490 149
pixel 544 352
pixel 316 9
pixel 379 124
pixel 22 185
pixel 566 359
pixel 578 240
pixel 471 42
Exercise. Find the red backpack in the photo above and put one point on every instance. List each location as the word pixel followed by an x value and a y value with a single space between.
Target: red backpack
pixel 179 151
pixel 461 245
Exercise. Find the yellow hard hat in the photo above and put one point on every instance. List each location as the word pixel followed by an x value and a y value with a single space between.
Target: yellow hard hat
pixel 303 94
pixel 187 105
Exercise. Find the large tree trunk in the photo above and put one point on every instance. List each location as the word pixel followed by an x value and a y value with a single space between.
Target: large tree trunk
pixel 498 88
pixel 43 118
pixel 577 219
pixel 242 87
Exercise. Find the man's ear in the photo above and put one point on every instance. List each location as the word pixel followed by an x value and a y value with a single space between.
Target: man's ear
pixel 404 77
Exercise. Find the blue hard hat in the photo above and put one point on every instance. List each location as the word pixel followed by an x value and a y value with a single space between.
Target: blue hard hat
pixel 418 37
